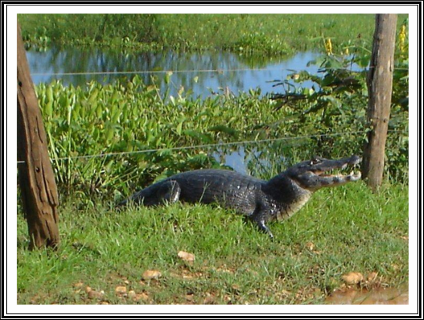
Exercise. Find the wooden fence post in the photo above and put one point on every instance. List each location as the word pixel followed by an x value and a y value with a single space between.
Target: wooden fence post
pixel 379 81
pixel 36 178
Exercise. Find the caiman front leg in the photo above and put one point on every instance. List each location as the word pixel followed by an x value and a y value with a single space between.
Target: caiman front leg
pixel 258 217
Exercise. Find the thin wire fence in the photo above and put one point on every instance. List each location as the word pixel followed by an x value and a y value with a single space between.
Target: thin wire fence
pixel 207 146
pixel 203 146
pixel 151 72
pixel 173 71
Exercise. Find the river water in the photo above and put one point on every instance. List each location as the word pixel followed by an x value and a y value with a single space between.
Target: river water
pixel 202 73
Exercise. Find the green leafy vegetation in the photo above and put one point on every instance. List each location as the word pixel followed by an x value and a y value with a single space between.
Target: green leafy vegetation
pixel 110 140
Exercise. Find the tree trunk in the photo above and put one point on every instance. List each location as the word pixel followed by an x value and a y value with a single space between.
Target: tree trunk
pixel 36 178
pixel 379 81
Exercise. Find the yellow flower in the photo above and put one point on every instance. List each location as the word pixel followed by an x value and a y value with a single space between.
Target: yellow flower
pixel 402 36
pixel 328 47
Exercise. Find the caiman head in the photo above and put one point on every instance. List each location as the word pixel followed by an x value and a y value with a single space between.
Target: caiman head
pixel 314 174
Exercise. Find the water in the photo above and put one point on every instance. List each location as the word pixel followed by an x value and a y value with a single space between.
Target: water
pixel 238 158
pixel 201 73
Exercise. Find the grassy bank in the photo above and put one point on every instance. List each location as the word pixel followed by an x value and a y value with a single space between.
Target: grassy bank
pixel 340 230
pixel 262 34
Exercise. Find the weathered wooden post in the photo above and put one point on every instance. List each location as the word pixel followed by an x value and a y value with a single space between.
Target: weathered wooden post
pixel 36 178
pixel 379 81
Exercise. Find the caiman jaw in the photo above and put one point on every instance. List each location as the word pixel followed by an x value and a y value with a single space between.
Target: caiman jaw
pixel 316 176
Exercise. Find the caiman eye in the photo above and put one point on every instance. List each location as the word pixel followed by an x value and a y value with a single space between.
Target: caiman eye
pixel 315 161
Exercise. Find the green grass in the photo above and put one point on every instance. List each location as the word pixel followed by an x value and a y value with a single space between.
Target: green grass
pixel 340 230
pixel 265 34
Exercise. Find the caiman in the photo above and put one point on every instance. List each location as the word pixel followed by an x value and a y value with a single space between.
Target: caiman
pixel 261 201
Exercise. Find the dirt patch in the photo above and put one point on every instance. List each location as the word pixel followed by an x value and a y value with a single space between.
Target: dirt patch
pixel 371 296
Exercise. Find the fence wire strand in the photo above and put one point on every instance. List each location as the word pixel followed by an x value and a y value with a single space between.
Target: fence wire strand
pixel 206 146
pixel 177 71
pixel 149 72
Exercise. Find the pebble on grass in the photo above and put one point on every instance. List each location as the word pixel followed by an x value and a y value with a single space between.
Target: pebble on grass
pixel 151 274
pixel 189 257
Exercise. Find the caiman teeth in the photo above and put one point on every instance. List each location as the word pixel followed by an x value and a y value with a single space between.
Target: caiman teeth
pixel 355 175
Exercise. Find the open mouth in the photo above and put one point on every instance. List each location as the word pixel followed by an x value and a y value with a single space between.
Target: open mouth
pixel 330 173
pixel 355 175
pixel 351 168
pixel 340 173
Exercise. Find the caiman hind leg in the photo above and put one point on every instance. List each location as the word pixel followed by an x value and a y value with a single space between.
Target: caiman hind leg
pixel 167 191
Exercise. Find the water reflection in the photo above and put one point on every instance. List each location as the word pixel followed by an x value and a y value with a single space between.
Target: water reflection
pixel 200 73
pixel 264 159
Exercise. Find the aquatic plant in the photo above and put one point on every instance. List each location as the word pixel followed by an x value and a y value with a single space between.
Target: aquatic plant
pixel 117 137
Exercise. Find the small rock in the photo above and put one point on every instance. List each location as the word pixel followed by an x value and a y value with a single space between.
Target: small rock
pixel 310 246
pixel 372 277
pixel 209 299
pixel 189 257
pixel 352 278
pixel 120 290
pixel 141 296
pixel 151 274
pixel 236 288
pixel 137 296
pixel 93 294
